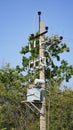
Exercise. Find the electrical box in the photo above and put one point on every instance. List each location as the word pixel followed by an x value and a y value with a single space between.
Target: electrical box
pixel 33 95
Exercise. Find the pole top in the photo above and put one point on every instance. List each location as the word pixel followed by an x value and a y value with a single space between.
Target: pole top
pixel 46 28
pixel 39 12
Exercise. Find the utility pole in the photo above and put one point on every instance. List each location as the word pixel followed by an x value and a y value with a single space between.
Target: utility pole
pixel 37 91
pixel 42 76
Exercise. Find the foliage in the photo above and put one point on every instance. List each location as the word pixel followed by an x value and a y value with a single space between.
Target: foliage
pixel 11 94
pixel 61 109
pixel 14 114
pixel 59 69
pixel 56 71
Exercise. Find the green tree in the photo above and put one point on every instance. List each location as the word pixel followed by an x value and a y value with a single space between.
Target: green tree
pixel 59 69
pixel 61 109
pixel 56 71
pixel 12 92
pixel 15 115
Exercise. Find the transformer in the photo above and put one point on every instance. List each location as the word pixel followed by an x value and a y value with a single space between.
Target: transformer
pixel 34 95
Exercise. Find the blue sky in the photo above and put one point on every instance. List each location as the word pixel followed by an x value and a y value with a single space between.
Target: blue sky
pixel 18 19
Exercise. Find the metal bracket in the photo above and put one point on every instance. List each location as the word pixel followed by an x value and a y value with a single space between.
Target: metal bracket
pixel 30 104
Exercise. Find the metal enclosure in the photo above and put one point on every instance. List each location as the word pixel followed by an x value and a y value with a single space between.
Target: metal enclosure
pixel 33 94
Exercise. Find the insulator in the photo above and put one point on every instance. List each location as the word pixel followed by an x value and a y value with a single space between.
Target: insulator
pixel 61 38
pixel 39 81
pixel 46 28
pixel 29 65
pixel 34 44
pixel 31 69
pixel 37 67
pixel 34 63
pixel 29 47
pixel 37 60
